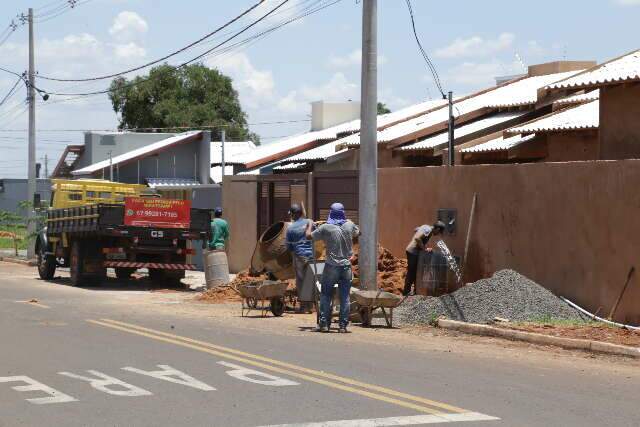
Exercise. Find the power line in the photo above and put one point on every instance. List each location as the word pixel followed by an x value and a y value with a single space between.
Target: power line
pixel 135 83
pixel 11 91
pixel 430 65
pixel 174 53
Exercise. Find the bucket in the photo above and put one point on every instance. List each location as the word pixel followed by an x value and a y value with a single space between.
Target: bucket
pixel 432 274
pixel 216 268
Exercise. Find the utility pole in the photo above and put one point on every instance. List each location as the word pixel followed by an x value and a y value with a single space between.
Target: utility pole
pixel 223 137
pixel 368 175
pixel 31 174
pixel 110 167
pixel 452 120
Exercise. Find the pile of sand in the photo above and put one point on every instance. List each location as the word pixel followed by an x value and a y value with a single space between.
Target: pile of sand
pixel 230 293
pixel 391 270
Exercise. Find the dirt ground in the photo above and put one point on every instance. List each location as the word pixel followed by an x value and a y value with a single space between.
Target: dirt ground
pixel 596 332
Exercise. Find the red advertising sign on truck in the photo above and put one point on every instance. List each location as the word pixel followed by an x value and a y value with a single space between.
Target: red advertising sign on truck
pixel 157 212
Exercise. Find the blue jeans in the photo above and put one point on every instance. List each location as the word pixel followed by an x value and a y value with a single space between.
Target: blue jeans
pixel 330 276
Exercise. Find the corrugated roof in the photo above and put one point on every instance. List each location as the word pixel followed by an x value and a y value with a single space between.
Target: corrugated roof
pixel 318 153
pixel 585 116
pixel 171 182
pixel 618 70
pixel 234 151
pixel 478 125
pixel 580 98
pixel 290 166
pixel 511 94
pixel 270 152
pixel 499 144
pixel 216 172
pixel 139 152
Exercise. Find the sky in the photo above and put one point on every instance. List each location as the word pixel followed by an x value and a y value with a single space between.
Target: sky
pixel 277 76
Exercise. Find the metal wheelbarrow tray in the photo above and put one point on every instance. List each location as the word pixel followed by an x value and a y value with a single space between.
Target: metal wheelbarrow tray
pixel 267 290
pixel 371 301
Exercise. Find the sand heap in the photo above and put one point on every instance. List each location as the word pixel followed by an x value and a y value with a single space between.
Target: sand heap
pixel 229 293
pixel 391 270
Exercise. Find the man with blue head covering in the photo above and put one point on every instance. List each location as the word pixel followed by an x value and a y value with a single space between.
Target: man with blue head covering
pixel 338 234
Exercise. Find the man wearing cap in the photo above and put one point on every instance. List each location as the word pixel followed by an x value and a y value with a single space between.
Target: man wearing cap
pixel 301 251
pixel 219 231
pixel 338 234
pixel 419 243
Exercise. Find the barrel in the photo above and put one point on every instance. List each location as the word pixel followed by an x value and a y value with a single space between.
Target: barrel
pixel 216 268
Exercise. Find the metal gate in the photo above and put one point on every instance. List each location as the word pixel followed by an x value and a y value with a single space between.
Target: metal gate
pixel 331 187
pixel 275 195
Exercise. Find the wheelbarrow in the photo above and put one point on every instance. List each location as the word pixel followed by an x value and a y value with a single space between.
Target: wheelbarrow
pixel 370 302
pixel 256 295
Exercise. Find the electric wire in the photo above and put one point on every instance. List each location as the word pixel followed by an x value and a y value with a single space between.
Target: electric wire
pixel 156 61
pixel 430 65
pixel 11 92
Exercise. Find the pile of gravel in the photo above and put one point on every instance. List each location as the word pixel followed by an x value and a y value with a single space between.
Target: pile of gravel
pixel 507 294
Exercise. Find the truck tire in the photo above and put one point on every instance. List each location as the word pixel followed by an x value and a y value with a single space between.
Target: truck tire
pixel 124 273
pixel 46 263
pixel 76 264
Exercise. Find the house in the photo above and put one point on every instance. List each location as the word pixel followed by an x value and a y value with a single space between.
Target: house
pixel 618 82
pixel 13 192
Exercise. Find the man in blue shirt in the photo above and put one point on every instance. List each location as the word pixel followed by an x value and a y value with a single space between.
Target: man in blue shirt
pixel 302 252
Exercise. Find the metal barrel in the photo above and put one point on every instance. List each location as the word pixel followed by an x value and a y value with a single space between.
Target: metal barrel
pixel 216 268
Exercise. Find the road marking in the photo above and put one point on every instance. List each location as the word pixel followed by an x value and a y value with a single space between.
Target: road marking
pixel 291 366
pixel 103 382
pixel 167 373
pixel 55 396
pixel 318 377
pixel 398 421
pixel 245 374
pixel 33 302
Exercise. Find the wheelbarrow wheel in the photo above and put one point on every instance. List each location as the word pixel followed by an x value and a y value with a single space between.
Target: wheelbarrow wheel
pixel 277 306
pixel 365 317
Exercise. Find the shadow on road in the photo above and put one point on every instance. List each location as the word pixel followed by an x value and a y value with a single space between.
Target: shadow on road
pixel 142 283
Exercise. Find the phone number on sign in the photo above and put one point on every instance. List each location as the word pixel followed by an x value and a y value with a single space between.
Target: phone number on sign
pixel 156 214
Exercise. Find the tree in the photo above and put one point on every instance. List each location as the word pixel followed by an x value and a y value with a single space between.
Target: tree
pixel 188 97
pixel 382 108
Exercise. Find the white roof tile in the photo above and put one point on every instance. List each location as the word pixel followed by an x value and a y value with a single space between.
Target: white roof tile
pixel 580 98
pixel 478 125
pixel 290 166
pixel 171 182
pixel 585 116
pixel 137 153
pixel 622 69
pixel 511 94
pixel 499 144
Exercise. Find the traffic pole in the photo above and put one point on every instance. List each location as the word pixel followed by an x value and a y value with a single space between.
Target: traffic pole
pixel 368 173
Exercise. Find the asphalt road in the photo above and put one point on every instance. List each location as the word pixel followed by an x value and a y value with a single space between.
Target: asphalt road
pixel 112 356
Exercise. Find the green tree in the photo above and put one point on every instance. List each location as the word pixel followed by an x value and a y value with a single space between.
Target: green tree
pixel 168 97
pixel 382 108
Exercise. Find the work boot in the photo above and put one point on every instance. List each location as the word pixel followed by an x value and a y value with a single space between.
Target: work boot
pixel 342 330
pixel 321 329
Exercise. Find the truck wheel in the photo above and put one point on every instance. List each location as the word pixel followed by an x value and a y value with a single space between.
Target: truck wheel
pixel 46 263
pixel 124 273
pixel 76 264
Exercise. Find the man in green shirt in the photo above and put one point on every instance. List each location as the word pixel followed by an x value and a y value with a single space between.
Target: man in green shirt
pixel 219 231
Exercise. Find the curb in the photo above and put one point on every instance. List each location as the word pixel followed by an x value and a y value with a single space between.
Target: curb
pixel 28 263
pixel 540 339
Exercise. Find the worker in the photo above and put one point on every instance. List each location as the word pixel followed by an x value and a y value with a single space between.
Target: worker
pixel 302 253
pixel 219 231
pixel 419 243
pixel 338 233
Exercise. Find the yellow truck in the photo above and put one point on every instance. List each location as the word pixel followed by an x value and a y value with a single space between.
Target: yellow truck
pixel 93 225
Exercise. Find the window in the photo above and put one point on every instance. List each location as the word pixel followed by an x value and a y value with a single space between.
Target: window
pixel 75 196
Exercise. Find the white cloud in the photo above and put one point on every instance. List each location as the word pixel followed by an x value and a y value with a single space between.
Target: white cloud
pixel 476 75
pixel 256 87
pixel 129 50
pixel 338 88
pixel 476 46
pixel 352 59
pixel 128 26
